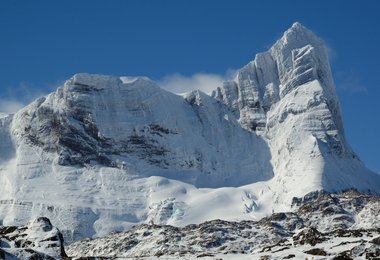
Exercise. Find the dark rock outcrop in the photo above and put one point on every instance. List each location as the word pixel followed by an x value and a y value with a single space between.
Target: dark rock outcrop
pixel 38 240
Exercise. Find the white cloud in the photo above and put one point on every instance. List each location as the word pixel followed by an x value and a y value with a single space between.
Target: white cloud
pixel 331 52
pixel 353 87
pixel 19 96
pixel 10 106
pixel 350 82
pixel 206 82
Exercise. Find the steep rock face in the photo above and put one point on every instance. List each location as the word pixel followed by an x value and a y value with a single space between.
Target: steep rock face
pixel 103 153
pixel 287 96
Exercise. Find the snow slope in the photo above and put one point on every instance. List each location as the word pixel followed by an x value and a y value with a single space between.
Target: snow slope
pixel 103 153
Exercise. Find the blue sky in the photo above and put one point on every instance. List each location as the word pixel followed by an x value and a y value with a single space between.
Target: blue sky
pixel 42 43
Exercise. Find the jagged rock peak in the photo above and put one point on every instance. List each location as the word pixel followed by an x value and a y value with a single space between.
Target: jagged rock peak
pixel 297 36
pixel 301 56
pixel 297 32
pixel 297 58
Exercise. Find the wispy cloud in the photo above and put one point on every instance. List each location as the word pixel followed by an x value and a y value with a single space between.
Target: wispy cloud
pixel 331 52
pixel 10 106
pixel 350 82
pixel 354 87
pixel 17 97
pixel 206 82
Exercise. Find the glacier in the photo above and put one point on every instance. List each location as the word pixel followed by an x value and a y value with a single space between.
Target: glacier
pixel 103 153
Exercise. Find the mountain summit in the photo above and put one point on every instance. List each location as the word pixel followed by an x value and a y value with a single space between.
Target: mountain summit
pixel 103 153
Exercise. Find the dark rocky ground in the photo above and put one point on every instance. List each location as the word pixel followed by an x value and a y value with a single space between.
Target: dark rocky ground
pixel 332 226
pixel 38 240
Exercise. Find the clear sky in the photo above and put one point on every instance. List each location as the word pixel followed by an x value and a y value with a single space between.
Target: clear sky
pixel 42 43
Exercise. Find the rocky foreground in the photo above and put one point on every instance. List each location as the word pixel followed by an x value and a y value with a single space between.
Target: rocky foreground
pixel 322 226
pixel 38 240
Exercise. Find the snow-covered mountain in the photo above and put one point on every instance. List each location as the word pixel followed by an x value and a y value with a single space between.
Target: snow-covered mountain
pixel 103 153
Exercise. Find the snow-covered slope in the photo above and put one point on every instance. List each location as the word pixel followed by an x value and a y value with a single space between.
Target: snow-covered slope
pixel 103 153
